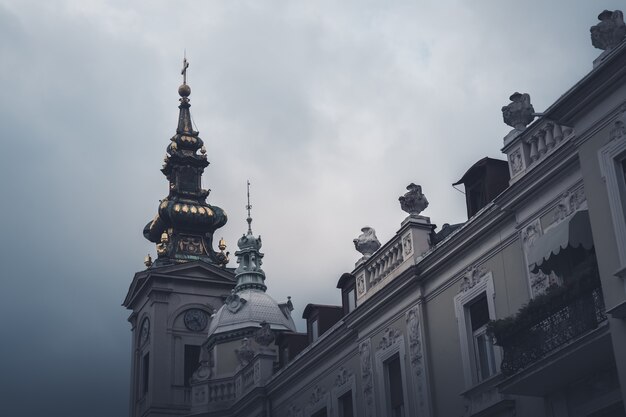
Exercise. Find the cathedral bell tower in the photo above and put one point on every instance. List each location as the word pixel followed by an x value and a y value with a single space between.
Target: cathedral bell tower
pixel 173 299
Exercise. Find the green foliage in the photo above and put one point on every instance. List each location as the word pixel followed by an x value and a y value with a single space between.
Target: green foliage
pixel 540 307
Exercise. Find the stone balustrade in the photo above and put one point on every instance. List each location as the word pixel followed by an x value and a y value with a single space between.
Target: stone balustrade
pixel 531 147
pixel 383 262
pixel 221 390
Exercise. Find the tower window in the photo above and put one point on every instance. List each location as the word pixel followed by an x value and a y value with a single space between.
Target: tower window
pixel 145 373
pixel 192 360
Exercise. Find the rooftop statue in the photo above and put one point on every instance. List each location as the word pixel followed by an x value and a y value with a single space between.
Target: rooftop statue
pixel 367 243
pixel 519 112
pixel 610 31
pixel 413 201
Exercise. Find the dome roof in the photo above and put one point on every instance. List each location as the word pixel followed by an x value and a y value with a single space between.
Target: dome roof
pixel 250 308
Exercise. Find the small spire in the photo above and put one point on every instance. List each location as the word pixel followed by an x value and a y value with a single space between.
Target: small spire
pixel 249 207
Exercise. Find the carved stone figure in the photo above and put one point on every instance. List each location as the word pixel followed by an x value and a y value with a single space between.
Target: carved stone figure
pixel 519 112
pixel 413 201
pixel 367 243
pixel 611 30
pixel 342 377
pixel 366 372
pixel 516 161
pixel 264 336
pixel 415 347
pixel 204 371
pixel 245 353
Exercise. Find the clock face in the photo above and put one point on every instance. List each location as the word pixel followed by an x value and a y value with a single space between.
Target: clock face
pixel 144 332
pixel 196 319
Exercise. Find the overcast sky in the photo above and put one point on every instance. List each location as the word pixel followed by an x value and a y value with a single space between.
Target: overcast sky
pixel 330 108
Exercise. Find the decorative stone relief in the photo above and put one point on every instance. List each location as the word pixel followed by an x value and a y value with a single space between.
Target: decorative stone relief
pixel 360 284
pixel 234 302
pixel 415 354
pixel 407 245
pixel 531 233
pixel 343 376
pixel 611 30
pixel 413 201
pixel 245 353
pixel 617 131
pixel 539 282
pixel 367 243
pixel 204 371
pixel 264 336
pixel 367 375
pixel 317 396
pixel 571 201
pixel 390 337
pixel 294 411
pixel 415 346
pixel 516 162
pixel 257 373
pixel 519 113
pixel 471 277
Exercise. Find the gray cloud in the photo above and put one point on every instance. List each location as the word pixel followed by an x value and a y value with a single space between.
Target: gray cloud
pixel 329 108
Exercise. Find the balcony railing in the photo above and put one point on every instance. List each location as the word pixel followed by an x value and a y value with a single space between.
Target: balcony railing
pixel 549 322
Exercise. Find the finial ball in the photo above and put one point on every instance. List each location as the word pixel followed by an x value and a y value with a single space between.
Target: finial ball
pixel 184 90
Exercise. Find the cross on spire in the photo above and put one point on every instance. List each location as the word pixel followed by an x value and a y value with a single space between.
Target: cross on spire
pixel 249 207
pixel 184 70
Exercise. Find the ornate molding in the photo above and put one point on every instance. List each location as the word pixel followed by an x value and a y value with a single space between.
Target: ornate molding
pixel 407 244
pixel 516 161
pixel 343 376
pixel 360 285
pixel 234 302
pixel 367 375
pixel 571 201
pixel 390 338
pixel 415 345
pixel 294 411
pixel 531 232
pixel 472 276
pixel 317 396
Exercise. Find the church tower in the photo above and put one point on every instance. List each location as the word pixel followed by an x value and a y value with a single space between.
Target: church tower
pixel 173 299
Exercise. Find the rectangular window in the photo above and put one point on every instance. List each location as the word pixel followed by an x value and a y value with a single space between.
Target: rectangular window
pixel 315 331
pixel 351 299
pixel 393 375
pixel 321 413
pixel 483 348
pixel 191 362
pixel 345 405
pixel 145 373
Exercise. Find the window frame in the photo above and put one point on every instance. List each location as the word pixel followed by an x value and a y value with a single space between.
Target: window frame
pixel 611 157
pixel 381 357
pixel 462 302
pixel 339 390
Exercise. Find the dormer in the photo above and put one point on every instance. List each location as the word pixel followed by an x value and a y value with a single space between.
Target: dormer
pixel 483 182
pixel 319 318
pixel 347 285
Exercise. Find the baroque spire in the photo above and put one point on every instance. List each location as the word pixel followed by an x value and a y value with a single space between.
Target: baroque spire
pixel 184 225
pixel 249 273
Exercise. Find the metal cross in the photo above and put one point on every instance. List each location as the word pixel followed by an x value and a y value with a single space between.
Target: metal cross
pixel 184 70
